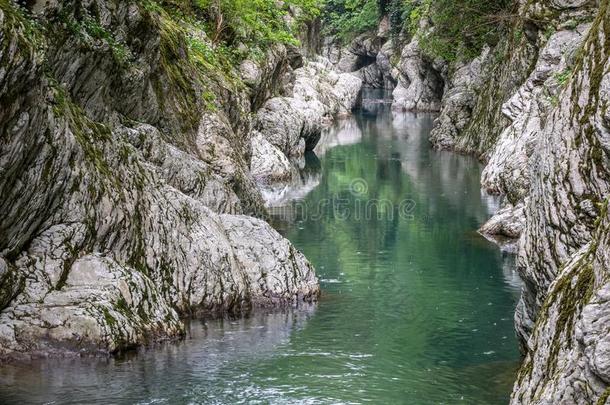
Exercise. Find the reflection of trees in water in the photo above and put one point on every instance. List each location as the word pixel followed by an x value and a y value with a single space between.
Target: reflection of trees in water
pixel 385 146
pixel 375 102
pixel 454 177
pixel 438 247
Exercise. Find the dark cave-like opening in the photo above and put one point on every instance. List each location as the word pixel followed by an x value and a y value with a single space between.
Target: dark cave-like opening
pixel 27 4
pixel 364 61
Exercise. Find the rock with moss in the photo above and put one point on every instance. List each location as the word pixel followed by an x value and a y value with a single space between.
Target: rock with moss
pixel 293 123
pixel 420 83
pixel 474 126
pixel 11 283
pixel 125 180
pixel 563 256
pixel 459 99
pixel 534 107
pixel 569 351
pixel 506 170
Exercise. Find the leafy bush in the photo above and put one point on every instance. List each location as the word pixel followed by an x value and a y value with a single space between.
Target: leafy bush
pixel 348 18
pixel 460 28
pixel 255 23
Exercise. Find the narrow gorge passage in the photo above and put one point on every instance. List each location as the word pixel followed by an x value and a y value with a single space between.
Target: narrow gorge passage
pixel 415 303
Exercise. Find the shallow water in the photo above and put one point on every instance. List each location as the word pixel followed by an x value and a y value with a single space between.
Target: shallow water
pixel 416 306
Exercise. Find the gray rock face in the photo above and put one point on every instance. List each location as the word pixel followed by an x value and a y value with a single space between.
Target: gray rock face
pixel 11 282
pixel 367 56
pixel 122 210
pixel 459 100
pixel 569 350
pixel 506 170
pixel 536 110
pixel 389 72
pixel 371 75
pixel 269 164
pixel 420 85
pixel 570 186
pixel 471 118
pixel 264 78
pixel 289 125
pixel 505 227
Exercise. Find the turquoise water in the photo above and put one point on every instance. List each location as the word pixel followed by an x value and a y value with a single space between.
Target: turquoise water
pixel 416 306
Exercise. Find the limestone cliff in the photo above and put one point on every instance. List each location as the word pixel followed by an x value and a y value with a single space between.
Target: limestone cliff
pixel 392 63
pixel 534 108
pixel 125 157
pixel 564 252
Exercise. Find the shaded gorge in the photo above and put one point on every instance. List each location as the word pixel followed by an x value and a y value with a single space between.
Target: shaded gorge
pixel 416 306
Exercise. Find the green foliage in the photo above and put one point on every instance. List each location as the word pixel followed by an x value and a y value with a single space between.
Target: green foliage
pixel 209 100
pixel 399 12
pixel 89 31
pixel 255 23
pixel 30 35
pixel 563 77
pixel 348 18
pixel 571 24
pixel 152 6
pixel 461 28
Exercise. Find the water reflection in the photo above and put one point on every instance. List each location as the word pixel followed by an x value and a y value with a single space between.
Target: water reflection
pixel 345 131
pixel 414 309
pixel 199 369
pixel 375 101
pixel 402 143
pixel 307 171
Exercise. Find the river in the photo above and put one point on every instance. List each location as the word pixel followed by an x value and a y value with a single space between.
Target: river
pixel 416 307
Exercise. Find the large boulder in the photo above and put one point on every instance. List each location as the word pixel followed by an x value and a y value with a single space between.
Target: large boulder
pixel 292 124
pixel 420 84
pixel 125 177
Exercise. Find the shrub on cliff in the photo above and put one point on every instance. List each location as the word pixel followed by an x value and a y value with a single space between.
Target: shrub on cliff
pixel 348 18
pixel 256 23
pixel 460 29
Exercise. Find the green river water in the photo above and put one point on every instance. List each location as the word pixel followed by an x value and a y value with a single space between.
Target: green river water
pixel 416 306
